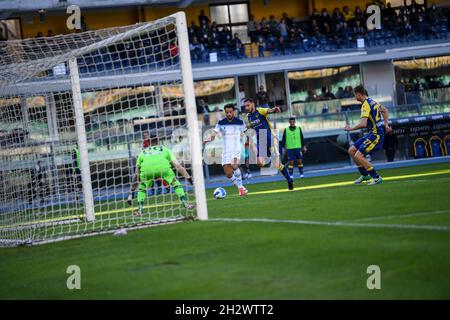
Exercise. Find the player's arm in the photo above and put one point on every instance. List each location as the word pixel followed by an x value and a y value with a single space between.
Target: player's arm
pixel 178 167
pixel 213 135
pixel 181 170
pixel 385 114
pixel 365 113
pixel 362 124
pixel 305 149
pixel 273 110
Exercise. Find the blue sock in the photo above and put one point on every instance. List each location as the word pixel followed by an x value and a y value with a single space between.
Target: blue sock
pixel 285 173
pixel 373 173
pixel 291 170
pixel 300 169
pixel 363 171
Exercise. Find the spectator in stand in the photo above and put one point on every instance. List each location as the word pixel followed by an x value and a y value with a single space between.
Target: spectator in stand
pixel 214 39
pixel 205 33
pixel 358 29
pixel 197 50
pixel 340 93
pixel 359 14
pixel 327 94
pixel 238 47
pixel 252 28
pixel 225 36
pixel 262 97
pixel 173 49
pixel 274 27
pixel 283 29
pixel 312 96
pixel 39 34
pixel 193 31
pixel 281 45
pixel 348 16
pixel 325 19
pixel 347 36
pixel 203 111
pixel 261 47
pixel 203 19
pixel 348 92
pixel 433 14
pixel 263 28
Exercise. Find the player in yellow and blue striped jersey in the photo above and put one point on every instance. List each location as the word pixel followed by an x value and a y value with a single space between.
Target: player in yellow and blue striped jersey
pixel 374 117
pixel 266 140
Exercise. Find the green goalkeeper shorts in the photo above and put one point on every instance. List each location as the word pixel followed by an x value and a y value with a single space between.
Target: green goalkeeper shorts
pixel 148 176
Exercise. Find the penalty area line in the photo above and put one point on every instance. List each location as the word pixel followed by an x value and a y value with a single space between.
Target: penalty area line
pixel 337 224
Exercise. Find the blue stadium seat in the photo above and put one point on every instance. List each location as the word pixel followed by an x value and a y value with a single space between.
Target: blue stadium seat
pixel 436 147
pixel 420 148
pixel 446 143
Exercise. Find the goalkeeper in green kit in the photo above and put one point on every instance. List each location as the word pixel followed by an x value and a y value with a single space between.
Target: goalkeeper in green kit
pixel 156 162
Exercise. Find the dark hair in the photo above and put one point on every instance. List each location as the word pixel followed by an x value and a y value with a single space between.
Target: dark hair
pixel 248 100
pixel 228 106
pixel 360 90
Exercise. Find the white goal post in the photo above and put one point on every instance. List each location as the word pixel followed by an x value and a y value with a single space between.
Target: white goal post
pixel 76 110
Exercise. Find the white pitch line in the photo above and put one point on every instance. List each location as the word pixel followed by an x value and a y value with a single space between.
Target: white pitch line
pixel 407 215
pixel 338 224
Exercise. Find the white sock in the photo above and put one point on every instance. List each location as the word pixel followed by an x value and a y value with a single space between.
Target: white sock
pixel 238 175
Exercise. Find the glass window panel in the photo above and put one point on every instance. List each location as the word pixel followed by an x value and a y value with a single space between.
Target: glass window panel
pixel 239 13
pixel 242 33
pixel 219 14
pixel 327 90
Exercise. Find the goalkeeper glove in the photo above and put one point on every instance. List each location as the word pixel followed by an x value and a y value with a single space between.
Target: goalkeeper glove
pixel 130 199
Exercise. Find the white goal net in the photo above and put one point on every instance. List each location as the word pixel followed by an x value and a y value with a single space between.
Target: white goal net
pixel 75 113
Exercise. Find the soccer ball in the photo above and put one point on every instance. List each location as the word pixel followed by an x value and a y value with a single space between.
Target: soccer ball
pixel 220 193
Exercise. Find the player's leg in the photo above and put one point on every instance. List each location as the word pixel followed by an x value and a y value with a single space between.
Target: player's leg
pixel 238 176
pixel 169 176
pixel 134 185
pixel 299 157
pixel 291 168
pixel 276 162
pixel 370 145
pixel 362 170
pixel 291 161
pixel 145 182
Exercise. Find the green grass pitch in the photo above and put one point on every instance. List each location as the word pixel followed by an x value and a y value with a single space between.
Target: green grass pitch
pixel 315 242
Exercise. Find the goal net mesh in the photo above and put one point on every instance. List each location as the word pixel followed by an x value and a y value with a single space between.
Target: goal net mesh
pixel 132 95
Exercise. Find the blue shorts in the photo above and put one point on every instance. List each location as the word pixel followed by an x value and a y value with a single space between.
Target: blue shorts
pixel 369 143
pixel 294 154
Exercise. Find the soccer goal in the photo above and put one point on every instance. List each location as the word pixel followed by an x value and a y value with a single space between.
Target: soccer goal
pixel 76 110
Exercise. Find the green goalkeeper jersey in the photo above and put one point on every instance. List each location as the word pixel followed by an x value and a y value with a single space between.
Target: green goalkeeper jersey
pixel 155 159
